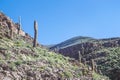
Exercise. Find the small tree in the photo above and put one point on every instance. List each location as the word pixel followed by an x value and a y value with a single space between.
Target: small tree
pixel 35 34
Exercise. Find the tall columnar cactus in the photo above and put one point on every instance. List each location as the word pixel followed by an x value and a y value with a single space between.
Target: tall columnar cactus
pixel 35 34
pixel 84 61
pixel 93 64
pixel 19 26
pixel 96 70
pixel 82 49
pixel 56 50
pixel 79 56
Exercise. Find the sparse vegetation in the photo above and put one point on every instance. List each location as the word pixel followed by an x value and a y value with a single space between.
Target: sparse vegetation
pixel 111 62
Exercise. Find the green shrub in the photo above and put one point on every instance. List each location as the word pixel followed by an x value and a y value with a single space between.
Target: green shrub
pixel 99 77
pixel 68 74
pixel 12 66
pixel 19 62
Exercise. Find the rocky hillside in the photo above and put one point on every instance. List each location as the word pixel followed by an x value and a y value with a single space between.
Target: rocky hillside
pixel 20 61
pixel 105 53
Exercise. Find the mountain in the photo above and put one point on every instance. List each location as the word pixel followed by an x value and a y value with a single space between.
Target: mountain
pixel 104 52
pixel 78 40
pixel 20 61
pixel 72 41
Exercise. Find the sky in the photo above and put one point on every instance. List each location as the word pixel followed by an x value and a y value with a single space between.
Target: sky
pixel 59 20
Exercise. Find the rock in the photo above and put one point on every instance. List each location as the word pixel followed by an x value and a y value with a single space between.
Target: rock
pixel 30 78
pixel 30 73
pixel 1 76
pixel 21 74
pixel 37 75
pixel 16 76
pixel 7 78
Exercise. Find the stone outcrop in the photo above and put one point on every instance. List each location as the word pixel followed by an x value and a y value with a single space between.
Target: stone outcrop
pixel 8 23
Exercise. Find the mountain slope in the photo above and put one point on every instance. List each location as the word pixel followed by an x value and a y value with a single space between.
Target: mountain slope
pixel 20 61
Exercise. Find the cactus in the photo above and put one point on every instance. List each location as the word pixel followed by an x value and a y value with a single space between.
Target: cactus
pixel 56 50
pixel 96 68
pixel 93 64
pixel 79 56
pixel 19 26
pixel 84 61
pixel 35 34
pixel 99 71
pixel 82 50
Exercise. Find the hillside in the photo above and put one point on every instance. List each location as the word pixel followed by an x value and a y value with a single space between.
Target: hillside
pixel 105 53
pixel 20 61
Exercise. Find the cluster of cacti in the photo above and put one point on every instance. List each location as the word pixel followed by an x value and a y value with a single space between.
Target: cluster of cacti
pixel 35 34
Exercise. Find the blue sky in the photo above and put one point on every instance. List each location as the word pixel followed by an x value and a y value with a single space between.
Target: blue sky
pixel 62 19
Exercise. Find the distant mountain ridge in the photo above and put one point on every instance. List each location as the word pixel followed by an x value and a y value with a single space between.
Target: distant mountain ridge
pixel 72 41
pixel 78 40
